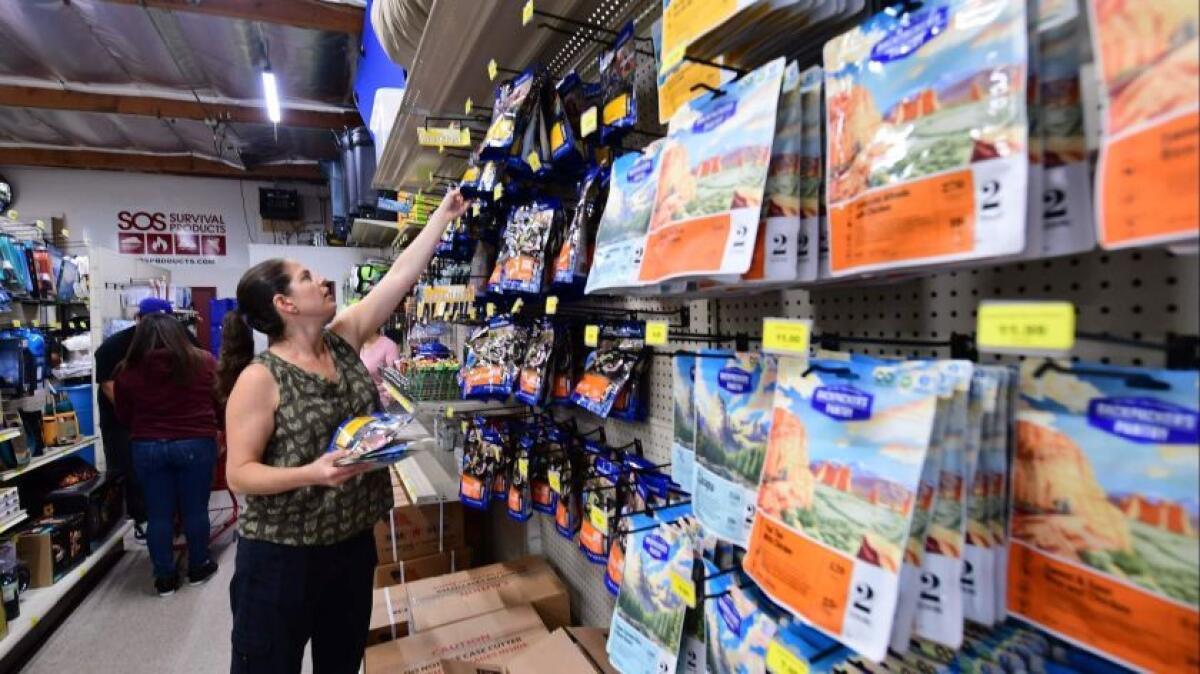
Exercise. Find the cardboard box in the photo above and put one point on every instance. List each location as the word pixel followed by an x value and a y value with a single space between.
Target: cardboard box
pixel 566 650
pixel 51 547
pixel 491 639
pixel 101 501
pixel 419 531
pixel 406 571
pixel 389 615
pixel 457 596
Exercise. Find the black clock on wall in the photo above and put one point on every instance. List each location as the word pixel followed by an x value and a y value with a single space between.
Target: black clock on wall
pixel 7 194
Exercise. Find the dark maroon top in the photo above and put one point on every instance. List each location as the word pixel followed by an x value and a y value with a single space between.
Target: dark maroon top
pixel 153 407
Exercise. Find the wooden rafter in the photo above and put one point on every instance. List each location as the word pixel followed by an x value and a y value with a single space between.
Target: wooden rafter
pixel 147 163
pixel 312 14
pixel 60 99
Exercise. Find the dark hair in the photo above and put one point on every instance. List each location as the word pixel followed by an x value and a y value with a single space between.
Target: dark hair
pixel 156 332
pixel 256 293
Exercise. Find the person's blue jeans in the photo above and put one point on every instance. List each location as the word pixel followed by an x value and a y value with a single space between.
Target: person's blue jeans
pixel 175 475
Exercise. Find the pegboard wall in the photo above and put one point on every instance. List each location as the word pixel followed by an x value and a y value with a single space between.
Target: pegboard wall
pixel 1137 295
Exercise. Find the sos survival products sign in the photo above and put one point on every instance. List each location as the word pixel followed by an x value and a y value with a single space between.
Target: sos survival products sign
pixel 172 237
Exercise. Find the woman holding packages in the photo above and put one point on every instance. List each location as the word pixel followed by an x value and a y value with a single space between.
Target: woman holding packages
pixel 306 554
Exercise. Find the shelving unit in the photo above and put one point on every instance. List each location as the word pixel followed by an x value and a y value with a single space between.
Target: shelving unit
pixel 38 603
pixel 13 521
pixel 50 456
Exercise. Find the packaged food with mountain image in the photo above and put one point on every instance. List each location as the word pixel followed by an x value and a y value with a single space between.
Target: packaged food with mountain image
pixel 847 445
pixel 1104 514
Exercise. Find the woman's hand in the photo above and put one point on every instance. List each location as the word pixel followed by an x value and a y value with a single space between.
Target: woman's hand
pixel 323 472
pixel 453 205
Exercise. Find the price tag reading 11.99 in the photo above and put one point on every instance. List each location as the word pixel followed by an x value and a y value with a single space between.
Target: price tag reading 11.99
pixel 1045 328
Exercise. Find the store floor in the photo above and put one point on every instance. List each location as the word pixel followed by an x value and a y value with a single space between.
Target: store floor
pixel 122 626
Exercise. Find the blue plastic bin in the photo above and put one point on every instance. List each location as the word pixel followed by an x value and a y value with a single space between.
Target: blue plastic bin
pixel 81 399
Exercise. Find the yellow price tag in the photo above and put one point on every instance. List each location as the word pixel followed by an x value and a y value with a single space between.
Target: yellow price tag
pixel 534 161
pixel 449 411
pixel 523 468
pixel 786 336
pixel 516 306
pixel 492 70
pixel 591 335
pixel 782 661
pixel 656 333
pixel 13 214
pixel 464 427
pixel 599 519
pixel 471 313
pixel 36 324
pixel 587 122
pixel 491 309
pixel 16 324
pixel 1025 327
pixel 527 13
pixel 55 325
pixel 555 479
pixel 498 192
pixel 467 106
pixel 683 588
pixel 552 305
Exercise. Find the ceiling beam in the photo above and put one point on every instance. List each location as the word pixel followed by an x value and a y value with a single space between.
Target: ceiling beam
pixel 312 14
pixel 147 163
pixel 150 106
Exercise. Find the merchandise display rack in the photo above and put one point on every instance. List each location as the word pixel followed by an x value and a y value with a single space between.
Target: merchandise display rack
pixel 1134 307
pixel 51 455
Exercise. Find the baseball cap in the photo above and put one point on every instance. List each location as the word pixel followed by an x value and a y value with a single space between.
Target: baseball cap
pixel 153 305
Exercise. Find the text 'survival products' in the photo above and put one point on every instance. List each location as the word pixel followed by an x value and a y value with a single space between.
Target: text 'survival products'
pixel 621 234
pixel 733 415
pixel 927 136
pixel 647 624
pixel 1148 57
pixel 848 442
pixel 713 170
pixel 1103 531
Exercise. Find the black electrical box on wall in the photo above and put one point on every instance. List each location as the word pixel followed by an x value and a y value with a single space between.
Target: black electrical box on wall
pixel 276 204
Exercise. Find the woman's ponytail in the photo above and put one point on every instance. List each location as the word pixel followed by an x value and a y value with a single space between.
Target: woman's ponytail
pixel 256 293
pixel 237 350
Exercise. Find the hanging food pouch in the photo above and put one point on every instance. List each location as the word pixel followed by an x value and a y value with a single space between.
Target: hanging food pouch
pixel 647 625
pixel 740 624
pixel 733 408
pixel 848 440
pixel 683 447
pixel 812 175
pixel 1033 114
pixel 979 561
pixel 489 177
pixel 710 185
pixel 535 373
pixel 609 369
pixel 532 156
pixel 1104 483
pixel 600 498
pixel 565 150
pixel 575 256
pixel 510 111
pixel 525 241
pixel 520 493
pixel 630 404
pixel 1146 54
pixel 692 655
pixel 621 234
pixel 927 107
pixel 775 256
pixel 490 369
pixel 1067 219
pixel 644 488
pixel 483 455
pixel 562 477
pixel 618 68
pixel 544 498
pixel 562 381
pixel 939 605
pixel 1001 446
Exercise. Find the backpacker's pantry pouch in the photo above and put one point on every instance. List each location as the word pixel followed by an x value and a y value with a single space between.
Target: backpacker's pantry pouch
pixel 575 256
pixel 608 370
pixel 490 369
pixel 618 67
pixel 510 114
pixel 533 381
pixel 621 234
pixel 1104 482
pixel 927 107
pixel 376 438
pixel 601 496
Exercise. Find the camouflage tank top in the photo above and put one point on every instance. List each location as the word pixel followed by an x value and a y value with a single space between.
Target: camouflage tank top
pixel 310 410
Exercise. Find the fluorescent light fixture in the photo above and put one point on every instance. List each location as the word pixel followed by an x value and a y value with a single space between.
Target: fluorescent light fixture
pixel 271 93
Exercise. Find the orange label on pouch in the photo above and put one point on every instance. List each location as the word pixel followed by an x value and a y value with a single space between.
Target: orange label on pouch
pixel 686 246
pixel 591 538
pixel 562 263
pixel 805 577
pixel 531 380
pixel 758 261
pixel 542 494
pixel 1147 184
pixel 471 488
pixel 519 268
pixel 1094 610
pixel 562 514
pixel 487 375
pixel 514 499
pixel 913 221
pixel 616 564
pixel 562 386
pixel 592 386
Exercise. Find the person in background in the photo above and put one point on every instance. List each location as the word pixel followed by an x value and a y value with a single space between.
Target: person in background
pixel 377 353
pixel 306 552
pixel 115 435
pixel 165 393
